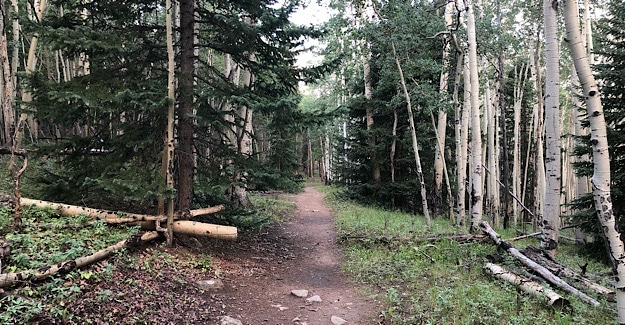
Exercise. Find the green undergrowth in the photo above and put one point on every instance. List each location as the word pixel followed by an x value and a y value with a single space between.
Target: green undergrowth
pixel 442 282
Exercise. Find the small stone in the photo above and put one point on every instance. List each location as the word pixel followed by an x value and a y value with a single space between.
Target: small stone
pixel 314 298
pixel 283 308
pixel 337 320
pixel 227 320
pixel 300 293
pixel 210 285
pixel 296 319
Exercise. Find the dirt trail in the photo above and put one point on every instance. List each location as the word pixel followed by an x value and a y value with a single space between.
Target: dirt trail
pixel 301 254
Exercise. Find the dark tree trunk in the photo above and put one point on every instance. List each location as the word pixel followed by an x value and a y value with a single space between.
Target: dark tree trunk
pixel 186 90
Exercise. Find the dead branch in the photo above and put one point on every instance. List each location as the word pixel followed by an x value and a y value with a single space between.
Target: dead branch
pixel 544 272
pixel 10 279
pixel 563 271
pixel 532 288
pixel 460 238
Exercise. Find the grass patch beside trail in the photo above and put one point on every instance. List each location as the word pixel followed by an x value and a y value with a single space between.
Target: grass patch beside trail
pixel 443 282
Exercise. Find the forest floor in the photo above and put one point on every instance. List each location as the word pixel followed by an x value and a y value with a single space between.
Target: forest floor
pixel 159 285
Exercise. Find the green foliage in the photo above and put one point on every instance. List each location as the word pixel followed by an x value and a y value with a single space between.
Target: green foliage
pixel 442 282
pixel 45 240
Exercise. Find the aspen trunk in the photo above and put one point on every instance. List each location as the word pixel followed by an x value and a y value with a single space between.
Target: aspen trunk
pixel 10 279
pixel 541 270
pixel 476 140
pixel 539 163
pixel 168 165
pixel 415 145
pixel 458 137
pixel 601 159
pixel 534 289
pixel 8 112
pixel 464 141
pixel 550 223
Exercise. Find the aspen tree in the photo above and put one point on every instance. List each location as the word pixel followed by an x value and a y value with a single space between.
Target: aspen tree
pixel 476 140
pixel 600 156
pixel 550 223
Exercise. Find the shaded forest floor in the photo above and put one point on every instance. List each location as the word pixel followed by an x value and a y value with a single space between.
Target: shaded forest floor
pixel 159 285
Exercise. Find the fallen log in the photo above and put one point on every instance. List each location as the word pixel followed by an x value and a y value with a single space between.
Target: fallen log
pixel 146 221
pixel 198 229
pixel 544 272
pixel 560 270
pixel 532 288
pixel 460 238
pixel 10 279
pixel 112 217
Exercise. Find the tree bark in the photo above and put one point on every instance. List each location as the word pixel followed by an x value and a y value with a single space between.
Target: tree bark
pixel 534 289
pixel 600 157
pixel 415 145
pixel 169 145
pixel 550 224
pixel 10 279
pixel 476 139
pixel 186 98
pixel 541 270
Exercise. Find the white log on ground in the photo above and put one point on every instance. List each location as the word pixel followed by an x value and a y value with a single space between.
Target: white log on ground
pixel 107 216
pixel 10 279
pixel 534 289
pixel 541 270
pixel 205 229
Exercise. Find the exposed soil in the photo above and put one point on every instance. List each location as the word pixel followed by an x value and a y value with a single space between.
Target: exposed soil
pixel 259 271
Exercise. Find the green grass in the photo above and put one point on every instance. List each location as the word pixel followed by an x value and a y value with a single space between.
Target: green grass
pixel 443 282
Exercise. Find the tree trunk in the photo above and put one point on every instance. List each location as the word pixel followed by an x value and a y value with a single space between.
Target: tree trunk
pixel 168 165
pixel 375 164
pixel 550 224
pixel 541 270
pixel 539 163
pixel 532 288
pixel 600 156
pixel 476 137
pixel 186 98
pixel 415 145
pixel 464 142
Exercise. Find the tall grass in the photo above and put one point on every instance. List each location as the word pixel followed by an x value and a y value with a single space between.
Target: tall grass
pixel 442 282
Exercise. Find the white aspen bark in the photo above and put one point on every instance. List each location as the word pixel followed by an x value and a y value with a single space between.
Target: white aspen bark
pixel 415 145
pixel 441 128
pixel 476 140
pixel 550 224
pixel 519 83
pixel 539 163
pixel 458 137
pixel 600 158
pixel 171 96
pixel 493 187
pixel 464 159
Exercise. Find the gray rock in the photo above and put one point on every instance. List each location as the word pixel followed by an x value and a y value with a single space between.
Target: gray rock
pixel 314 298
pixel 227 320
pixel 300 293
pixel 210 285
pixel 337 320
